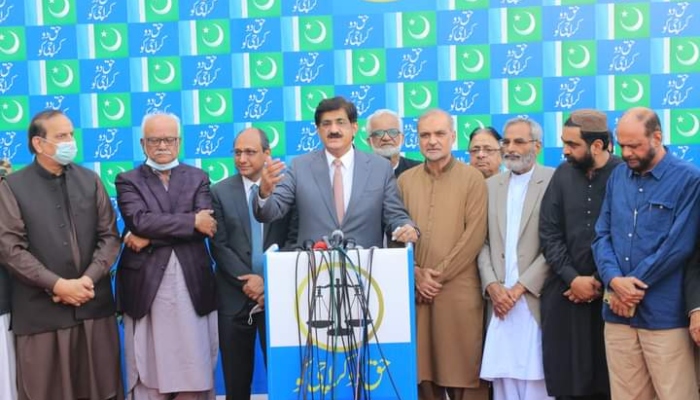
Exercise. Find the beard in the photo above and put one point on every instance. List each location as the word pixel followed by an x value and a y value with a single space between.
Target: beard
pixel 519 163
pixel 585 163
pixel 643 162
pixel 387 151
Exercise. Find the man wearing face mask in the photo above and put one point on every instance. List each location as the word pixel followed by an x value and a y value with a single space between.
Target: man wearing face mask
pixel 59 242
pixel 165 280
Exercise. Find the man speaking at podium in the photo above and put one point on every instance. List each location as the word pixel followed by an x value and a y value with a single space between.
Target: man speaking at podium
pixel 337 187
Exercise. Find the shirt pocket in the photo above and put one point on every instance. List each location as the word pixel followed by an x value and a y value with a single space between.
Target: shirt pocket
pixel 660 217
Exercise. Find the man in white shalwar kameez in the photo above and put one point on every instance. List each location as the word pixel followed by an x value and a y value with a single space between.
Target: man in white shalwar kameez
pixel 513 269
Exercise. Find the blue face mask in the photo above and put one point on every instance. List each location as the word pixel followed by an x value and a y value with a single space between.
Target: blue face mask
pixel 65 152
pixel 162 167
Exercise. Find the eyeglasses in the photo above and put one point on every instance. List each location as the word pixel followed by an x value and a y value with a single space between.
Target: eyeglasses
pixel 247 152
pixel 486 150
pixel 379 133
pixel 517 142
pixel 154 141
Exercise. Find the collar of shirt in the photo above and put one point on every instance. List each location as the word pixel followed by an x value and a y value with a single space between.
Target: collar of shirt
pixel 659 169
pixel 522 178
pixel 347 159
pixel 247 184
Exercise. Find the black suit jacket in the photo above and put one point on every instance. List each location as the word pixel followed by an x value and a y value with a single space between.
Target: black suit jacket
pixel 167 219
pixel 404 164
pixel 692 281
pixel 231 244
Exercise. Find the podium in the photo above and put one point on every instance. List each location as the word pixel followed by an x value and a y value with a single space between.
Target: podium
pixel 341 324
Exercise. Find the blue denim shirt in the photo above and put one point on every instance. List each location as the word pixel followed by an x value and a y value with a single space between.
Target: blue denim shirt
pixel 647 229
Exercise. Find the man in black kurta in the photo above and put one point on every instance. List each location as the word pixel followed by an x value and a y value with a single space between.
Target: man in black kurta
pixel 572 325
pixel 59 240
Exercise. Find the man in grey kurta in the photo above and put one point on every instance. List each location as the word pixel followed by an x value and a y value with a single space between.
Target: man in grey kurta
pixel 59 240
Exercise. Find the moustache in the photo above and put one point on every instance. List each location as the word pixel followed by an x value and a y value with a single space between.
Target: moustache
pixel 510 156
pixel 335 135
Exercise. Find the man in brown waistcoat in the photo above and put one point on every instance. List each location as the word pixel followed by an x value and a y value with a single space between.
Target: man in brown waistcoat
pixel 59 240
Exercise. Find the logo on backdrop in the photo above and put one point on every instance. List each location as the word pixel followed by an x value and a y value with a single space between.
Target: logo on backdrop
pixel 209 141
pixel 358 32
pixel 411 64
pixel 569 94
pixel 516 61
pixel 100 10
pixel 360 99
pixel 309 140
pixel 677 92
pixel 50 42
pixel 7 78
pixel 623 58
pixel 8 145
pixel 308 69
pixel 460 32
pixel 463 98
pixel 254 37
pixel 568 23
pixel 106 148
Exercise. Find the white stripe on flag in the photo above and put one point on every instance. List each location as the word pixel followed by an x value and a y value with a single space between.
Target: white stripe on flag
pixel 558 59
pixel 195 106
pixel 93 110
pixel 91 41
pixel 666 57
pixel 399 97
pixel 244 9
pixel 144 74
pixel 611 21
pixel 348 68
pixel 42 77
pixel 295 33
pixel 399 29
pixel 505 96
pixel 246 70
pixel 453 62
pixel 297 103
pixel 38 6
pixel 666 126
pixel 559 122
pixel 142 10
pixel 611 92
pixel 504 25
pixel 193 38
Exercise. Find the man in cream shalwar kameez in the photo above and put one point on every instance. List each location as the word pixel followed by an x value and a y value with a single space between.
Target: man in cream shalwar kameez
pixel 513 269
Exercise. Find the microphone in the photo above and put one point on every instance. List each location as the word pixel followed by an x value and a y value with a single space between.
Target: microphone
pixel 337 237
pixel 307 245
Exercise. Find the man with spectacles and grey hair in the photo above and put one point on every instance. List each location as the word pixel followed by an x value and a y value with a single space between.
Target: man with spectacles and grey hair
pixel 165 281
pixel 386 138
pixel 513 268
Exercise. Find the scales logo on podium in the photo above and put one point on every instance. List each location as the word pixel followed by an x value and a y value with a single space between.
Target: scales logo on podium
pixel 345 307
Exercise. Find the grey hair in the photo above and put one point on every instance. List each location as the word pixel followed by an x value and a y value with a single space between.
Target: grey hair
pixel 379 113
pixel 535 127
pixel 150 116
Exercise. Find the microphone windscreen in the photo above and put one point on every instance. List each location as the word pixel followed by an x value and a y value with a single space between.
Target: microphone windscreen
pixel 320 245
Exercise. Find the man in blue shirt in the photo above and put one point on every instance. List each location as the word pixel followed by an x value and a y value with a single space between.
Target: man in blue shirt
pixel 645 235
